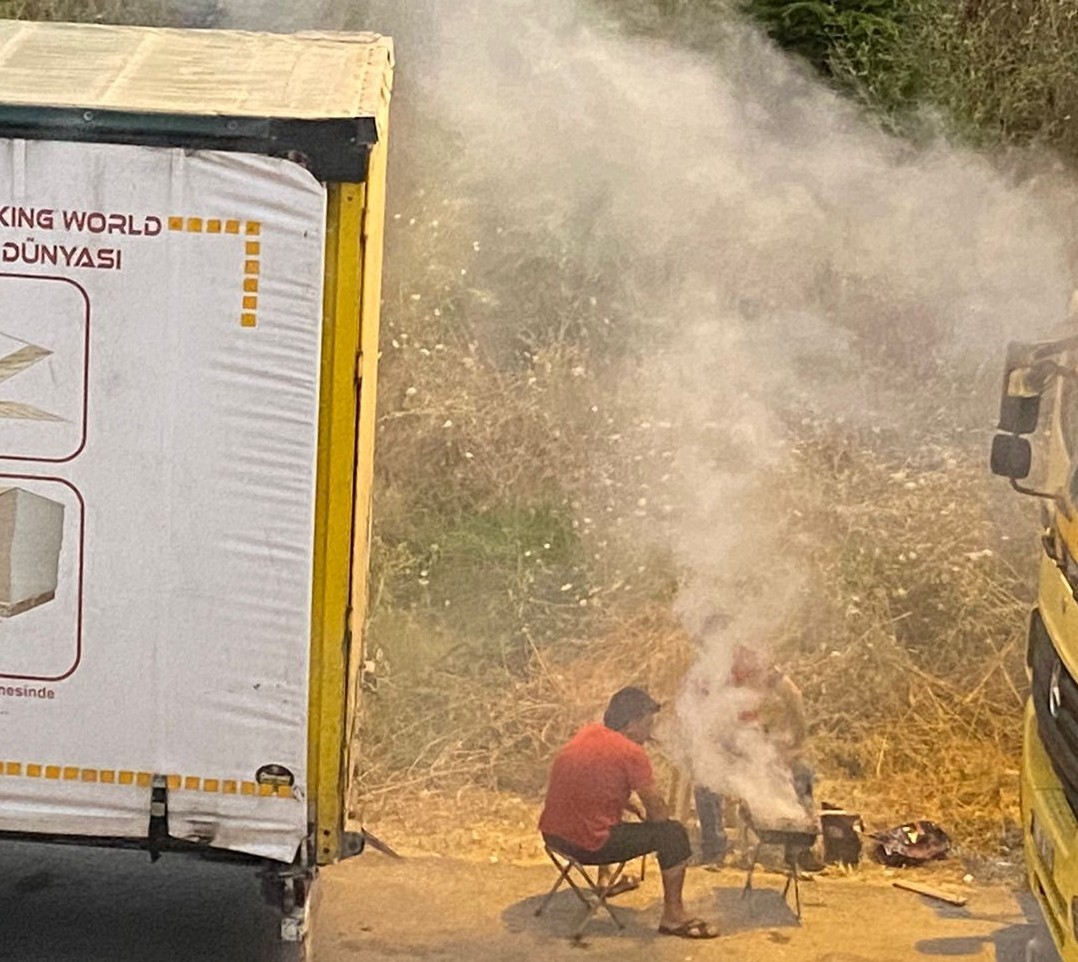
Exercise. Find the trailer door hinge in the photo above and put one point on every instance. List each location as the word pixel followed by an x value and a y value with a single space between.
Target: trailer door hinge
pixel 157 831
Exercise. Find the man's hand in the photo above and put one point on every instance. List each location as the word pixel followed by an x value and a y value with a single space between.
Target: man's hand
pixel 654 804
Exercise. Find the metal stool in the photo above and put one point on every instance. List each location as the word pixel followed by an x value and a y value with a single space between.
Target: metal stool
pixel 589 890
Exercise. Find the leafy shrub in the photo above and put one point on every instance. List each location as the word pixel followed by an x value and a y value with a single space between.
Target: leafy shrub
pixel 815 29
pixel 998 71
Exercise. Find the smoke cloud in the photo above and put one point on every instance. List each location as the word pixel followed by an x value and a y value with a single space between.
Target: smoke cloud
pixel 774 241
pixel 774 246
pixel 278 16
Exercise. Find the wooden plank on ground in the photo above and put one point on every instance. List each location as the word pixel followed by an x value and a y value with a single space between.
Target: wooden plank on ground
pixel 933 893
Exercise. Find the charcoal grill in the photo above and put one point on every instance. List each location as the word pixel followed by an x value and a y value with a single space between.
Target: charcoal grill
pixel 794 839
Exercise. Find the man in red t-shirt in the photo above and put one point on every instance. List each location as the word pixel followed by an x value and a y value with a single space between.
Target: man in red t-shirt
pixel 591 784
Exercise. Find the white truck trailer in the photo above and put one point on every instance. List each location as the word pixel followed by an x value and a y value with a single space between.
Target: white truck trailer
pixel 190 258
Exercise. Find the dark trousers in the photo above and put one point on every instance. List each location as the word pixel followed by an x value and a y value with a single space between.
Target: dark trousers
pixel 628 840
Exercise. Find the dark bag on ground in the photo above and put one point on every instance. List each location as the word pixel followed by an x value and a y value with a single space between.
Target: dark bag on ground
pixel 912 844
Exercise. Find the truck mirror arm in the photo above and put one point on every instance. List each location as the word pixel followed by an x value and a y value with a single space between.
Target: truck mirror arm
pixel 1030 367
pixel 1058 499
pixel 1028 355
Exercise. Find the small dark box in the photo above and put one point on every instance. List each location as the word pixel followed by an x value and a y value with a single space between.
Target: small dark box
pixel 841 835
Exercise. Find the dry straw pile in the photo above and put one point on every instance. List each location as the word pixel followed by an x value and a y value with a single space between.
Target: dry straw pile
pixel 508 601
pixel 908 643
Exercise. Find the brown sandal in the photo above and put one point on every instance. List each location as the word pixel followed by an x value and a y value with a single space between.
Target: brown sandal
pixel 692 929
pixel 627 883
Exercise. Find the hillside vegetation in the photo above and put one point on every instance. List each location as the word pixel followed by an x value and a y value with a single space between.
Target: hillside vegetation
pixel 987 71
pixel 156 13
pixel 514 583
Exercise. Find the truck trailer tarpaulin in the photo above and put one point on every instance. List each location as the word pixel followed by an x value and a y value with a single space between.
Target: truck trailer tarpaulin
pixel 190 250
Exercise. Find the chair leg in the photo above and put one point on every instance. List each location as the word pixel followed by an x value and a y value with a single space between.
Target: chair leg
pixel 591 906
pixel 604 898
pixel 580 892
pixel 563 876
pixel 598 901
pixel 590 892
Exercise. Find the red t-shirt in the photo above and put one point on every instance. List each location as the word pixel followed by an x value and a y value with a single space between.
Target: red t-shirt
pixel 590 783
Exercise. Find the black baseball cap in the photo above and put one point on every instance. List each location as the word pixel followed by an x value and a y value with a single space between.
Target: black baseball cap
pixel 628 705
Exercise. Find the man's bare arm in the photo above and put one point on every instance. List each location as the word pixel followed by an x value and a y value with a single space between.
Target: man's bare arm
pixel 654 804
pixel 794 709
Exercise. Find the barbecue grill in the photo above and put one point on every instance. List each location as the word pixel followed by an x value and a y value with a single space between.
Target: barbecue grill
pixel 794 838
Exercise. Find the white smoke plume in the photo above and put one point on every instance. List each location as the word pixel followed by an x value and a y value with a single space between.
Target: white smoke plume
pixel 772 237
pixel 281 17
pixel 727 753
pixel 770 234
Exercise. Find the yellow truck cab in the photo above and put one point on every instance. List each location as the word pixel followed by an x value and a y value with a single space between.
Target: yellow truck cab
pixel 190 259
pixel 1040 402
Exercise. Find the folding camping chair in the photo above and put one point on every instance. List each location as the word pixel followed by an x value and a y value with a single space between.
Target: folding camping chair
pixel 587 887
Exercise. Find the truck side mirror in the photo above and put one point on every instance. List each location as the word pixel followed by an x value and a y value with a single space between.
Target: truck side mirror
pixel 1012 456
pixel 1019 415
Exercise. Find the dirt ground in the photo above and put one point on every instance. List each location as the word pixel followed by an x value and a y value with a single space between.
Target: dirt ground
pixel 451 908
pixel 98 905
pixel 473 873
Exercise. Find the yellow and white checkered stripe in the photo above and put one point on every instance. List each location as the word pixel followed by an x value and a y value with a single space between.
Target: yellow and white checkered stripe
pixel 111 776
pixel 251 231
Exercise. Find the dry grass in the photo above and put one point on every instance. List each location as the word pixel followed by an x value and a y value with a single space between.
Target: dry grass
pixel 507 424
pixel 908 645
pixel 497 729
pixel 914 663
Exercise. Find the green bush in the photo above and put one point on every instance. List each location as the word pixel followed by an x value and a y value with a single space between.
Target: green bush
pixel 816 29
pixel 994 72
pixel 997 71
pixel 154 13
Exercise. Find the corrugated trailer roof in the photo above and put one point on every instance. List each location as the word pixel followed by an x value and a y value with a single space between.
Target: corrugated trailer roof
pixel 318 95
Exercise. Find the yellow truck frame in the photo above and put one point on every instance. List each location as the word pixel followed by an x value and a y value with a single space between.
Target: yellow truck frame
pixel 1037 375
pixel 345 476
